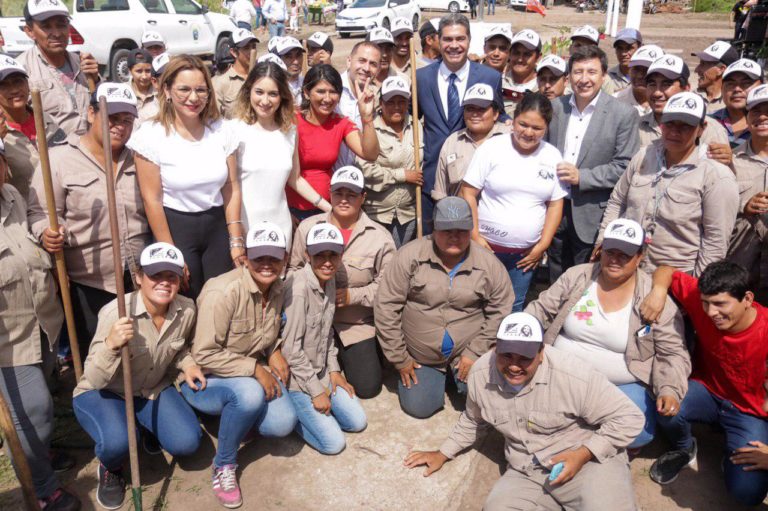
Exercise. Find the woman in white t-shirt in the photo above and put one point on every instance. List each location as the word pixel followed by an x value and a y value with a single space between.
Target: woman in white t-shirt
pixel 267 156
pixel 187 171
pixel 522 200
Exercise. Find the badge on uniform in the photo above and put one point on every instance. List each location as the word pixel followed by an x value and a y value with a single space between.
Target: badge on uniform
pixel 451 157
pixel 643 331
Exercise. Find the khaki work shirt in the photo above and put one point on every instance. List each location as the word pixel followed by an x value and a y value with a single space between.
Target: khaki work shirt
pixel 715 104
pixel 80 193
pixel 418 302
pixel 147 106
pixel 365 257
pixel 226 87
pixel 689 210
pixel 404 71
pixel 659 358
pixel 454 159
pixel 68 111
pixel 651 131
pixel 626 96
pixel 563 407
pixel 308 343
pixel 234 329
pixel 388 197
pixel 27 290
pixel 618 80
pixel 157 356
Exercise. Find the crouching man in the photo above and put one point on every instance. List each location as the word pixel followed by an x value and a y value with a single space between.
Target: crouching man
pixel 553 412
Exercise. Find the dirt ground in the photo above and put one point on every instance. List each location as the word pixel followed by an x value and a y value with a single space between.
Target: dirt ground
pixel 286 474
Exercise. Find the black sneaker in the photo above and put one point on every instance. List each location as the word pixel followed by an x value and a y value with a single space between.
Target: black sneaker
pixel 61 461
pixel 111 491
pixel 150 444
pixel 61 500
pixel 666 469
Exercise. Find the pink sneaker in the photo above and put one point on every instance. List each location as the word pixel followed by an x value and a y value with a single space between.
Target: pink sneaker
pixel 225 486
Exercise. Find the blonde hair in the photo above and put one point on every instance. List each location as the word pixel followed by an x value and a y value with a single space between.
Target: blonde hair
pixel 284 116
pixel 166 114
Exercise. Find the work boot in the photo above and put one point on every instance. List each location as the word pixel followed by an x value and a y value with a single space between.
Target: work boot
pixel 666 469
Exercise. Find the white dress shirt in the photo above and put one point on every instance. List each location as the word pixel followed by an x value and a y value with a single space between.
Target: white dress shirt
pixel 275 9
pixel 242 11
pixel 443 77
pixel 347 107
pixel 578 122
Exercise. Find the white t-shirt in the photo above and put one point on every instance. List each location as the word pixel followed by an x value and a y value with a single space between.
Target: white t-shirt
pixel 192 172
pixel 515 189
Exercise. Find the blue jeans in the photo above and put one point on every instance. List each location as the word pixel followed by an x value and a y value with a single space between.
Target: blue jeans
pixel 260 19
pixel 243 406
pixel 643 399
pixel 491 6
pixel 244 25
pixel 276 29
pixel 325 432
pixel 700 405
pixel 101 413
pixel 422 400
pixel 521 280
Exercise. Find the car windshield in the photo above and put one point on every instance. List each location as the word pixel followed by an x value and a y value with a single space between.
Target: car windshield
pixel 368 3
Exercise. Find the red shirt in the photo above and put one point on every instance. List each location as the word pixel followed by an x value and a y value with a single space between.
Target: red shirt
pixel 318 150
pixel 27 128
pixel 731 366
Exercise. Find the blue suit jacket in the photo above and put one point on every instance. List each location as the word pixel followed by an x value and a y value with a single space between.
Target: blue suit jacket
pixel 436 128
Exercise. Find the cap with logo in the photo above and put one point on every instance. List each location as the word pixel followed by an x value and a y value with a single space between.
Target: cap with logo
pixel 271 57
pixel 587 32
pixel 161 256
pixel 718 52
pixel 749 67
pixel 349 177
pixel 552 62
pixel 41 10
pixel 669 66
pixel 756 96
pixel 528 38
pixel 519 333
pixel 646 55
pixel 286 44
pixel 395 86
pixel 480 94
pixel 452 213
pixel 401 26
pixel 320 40
pixel 429 28
pixel 273 43
pixel 152 38
pixel 9 66
pixel 324 237
pixel 628 35
pixel 504 31
pixel 625 235
pixel 159 63
pixel 139 56
pixel 120 98
pixel 241 37
pixel 265 239
pixel 380 36
pixel 687 107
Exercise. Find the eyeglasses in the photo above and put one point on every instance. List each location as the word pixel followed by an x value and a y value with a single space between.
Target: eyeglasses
pixel 184 92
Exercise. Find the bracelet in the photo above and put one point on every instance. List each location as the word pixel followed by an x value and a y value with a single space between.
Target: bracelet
pixel 235 222
pixel 233 238
pixel 236 245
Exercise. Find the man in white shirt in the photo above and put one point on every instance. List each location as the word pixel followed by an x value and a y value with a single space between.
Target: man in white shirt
pixel 292 52
pixel 275 12
pixel 242 11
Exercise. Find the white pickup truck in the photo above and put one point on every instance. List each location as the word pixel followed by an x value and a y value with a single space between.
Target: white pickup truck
pixel 110 29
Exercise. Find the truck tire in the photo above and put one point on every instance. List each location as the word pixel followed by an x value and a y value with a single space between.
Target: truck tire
pixel 415 22
pixel 222 45
pixel 118 65
pixel 385 23
pixel 453 7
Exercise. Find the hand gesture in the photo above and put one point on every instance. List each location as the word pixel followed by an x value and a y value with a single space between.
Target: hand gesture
pixel 653 305
pixel 338 380
pixel 268 382
pixel 434 460
pixel 667 406
pixel 322 403
pixel 279 366
pixel 757 205
pixel 408 374
pixel 192 373
pixel 531 258
pixel 53 241
pixel 463 367
pixel 365 99
pixel 572 463
pixel 120 334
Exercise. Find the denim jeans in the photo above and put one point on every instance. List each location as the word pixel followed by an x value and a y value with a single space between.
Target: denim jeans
pixel 491 7
pixel 422 400
pixel 325 432
pixel 102 415
pixel 242 405
pixel 260 19
pixel 700 405
pixel 276 29
pixel 521 280
pixel 643 400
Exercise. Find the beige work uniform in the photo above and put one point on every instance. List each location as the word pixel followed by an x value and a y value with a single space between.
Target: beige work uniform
pixel 454 159
pixel 363 262
pixel 68 111
pixel 28 301
pixel 388 197
pixel 226 87
pixel 308 343
pixel 563 407
pixel 80 193
pixel 689 210
pixel 714 132
pixel 715 104
pixel 404 71
pixel 618 80
pixel 157 356
pixel 22 156
pixel 147 106
pixel 234 331
pixel 627 97
pixel 418 302
pixel 658 359
pixel 508 83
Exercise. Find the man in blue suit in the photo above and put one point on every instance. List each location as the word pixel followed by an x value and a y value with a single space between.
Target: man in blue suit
pixel 441 87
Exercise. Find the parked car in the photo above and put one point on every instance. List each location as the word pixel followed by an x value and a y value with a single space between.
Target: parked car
pixel 364 15
pixel 110 29
pixel 444 5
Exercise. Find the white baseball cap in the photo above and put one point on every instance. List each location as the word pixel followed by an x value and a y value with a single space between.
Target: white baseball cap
pixel 286 44
pixel 120 98
pixel 587 32
pixel 265 239
pixel 161 256
pixel 323 237
pixel 9 66
pixel 669 66
pixel 380 36
pixel 552 62
pixel 273 42
pixel 320 40
pixel 271 57
pixel 349 177
pixel 500 31
pixel 480 94
pixel 159 63
pixel 519 333
pixel 756 96
pixel 528 38
pixel 749 67
pixel 401 25
pixel 395 86
pixel 687 107
pixel 152 38
pixel 40 10
pixel 625 235
pixel 719 51
pixel 646 55
pixel 241 37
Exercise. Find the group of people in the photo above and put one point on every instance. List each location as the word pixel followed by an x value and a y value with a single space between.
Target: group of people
pixel 268 233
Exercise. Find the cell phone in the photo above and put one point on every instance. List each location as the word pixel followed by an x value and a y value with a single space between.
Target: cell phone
pixel 556 471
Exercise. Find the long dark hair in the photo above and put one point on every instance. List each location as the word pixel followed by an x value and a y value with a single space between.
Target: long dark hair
pixel 535 102
pixel 315 75
pixel 284 114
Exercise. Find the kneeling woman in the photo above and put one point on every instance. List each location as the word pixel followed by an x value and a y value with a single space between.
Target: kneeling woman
pixel 593 312
pixel 159 322
pixel 325 402
pixel 236 343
